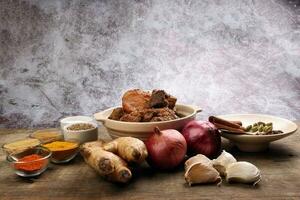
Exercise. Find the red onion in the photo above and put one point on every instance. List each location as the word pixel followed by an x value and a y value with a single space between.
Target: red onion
pixel 202 138
pixel 166 149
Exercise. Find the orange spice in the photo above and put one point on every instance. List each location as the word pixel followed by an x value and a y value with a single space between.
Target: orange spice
pixel 31 163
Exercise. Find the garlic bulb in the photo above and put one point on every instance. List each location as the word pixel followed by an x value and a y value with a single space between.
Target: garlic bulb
pixel 199 169
pixel 242 172
pixel 222 162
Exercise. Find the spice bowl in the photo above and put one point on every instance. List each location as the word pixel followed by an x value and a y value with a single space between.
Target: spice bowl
pixel 75 119
pixel 63 151
pixel 20 145
pixel 82 131
pixel 257 143
pixel 47 135
pixel 31 162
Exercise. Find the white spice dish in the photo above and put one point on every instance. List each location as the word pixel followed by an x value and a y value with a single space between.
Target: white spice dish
pixel 85 135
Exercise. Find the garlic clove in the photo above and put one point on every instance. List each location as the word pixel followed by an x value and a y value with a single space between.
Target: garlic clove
pixel 199 170
pixel 198 173
pixel 223 161
pixel 197 158
pixel 243 172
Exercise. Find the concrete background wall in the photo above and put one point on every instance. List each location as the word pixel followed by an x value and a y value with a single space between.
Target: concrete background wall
pixel 61 58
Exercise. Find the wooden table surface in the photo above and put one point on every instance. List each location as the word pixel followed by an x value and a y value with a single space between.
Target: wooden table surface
pixel 280 168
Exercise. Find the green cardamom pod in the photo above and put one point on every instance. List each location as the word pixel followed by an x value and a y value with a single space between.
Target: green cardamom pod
pixel 260 123
pixel 254 129
pixel 266 128
pixel 269 129
pixel 261 128
pixel 269 124
pixel 248 128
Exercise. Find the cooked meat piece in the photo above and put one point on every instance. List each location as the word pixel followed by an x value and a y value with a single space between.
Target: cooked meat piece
pixel 171 100
pixel 135 116
pixel 157 119
pixel 158 99
pixel 163 114
pixel 148 115
pixel 135 100
pixel 116 114
pixel 141 106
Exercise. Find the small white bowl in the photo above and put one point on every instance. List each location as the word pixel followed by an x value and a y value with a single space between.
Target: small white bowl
pixel 75 119
pixel 81 136
pixel 256 143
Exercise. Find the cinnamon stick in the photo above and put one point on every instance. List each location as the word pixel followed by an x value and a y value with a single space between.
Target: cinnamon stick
pixel 217 120
pixel 228 128
pixel 237 122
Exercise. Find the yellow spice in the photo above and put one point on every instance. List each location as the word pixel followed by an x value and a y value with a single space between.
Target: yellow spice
pixel 60 145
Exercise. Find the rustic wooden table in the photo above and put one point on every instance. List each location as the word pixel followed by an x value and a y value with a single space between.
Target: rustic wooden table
pixel 280 167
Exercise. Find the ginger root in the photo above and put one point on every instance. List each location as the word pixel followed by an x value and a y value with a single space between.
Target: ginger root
pixel 107 164
pixel 130 149
pixel 199 170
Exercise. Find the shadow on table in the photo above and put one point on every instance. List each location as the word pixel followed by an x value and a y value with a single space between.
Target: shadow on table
pixel 277 152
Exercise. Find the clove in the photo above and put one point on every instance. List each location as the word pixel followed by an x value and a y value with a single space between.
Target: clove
pixel 242 172
pixel 199 170
pixel 221 163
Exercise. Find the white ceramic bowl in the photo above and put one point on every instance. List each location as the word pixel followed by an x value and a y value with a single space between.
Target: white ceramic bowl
pixel 142 130
pixel 256 143
pixel 75 119
pixel 81 136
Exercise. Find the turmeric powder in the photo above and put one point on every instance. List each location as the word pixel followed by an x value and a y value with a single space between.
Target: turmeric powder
pixel 62 151
pixel 61 145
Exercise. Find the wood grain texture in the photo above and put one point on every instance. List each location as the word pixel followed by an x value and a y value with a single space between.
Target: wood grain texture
pixel 280 167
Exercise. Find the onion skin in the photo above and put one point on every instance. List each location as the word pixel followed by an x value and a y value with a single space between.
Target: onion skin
pixel 202 137
pixel 166 149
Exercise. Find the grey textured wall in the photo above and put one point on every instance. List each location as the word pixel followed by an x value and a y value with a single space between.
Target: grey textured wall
pixel 61 58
